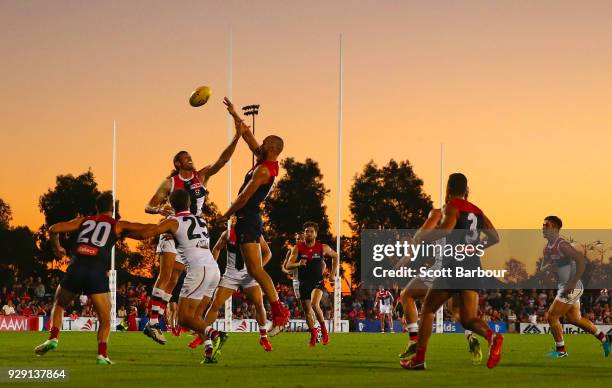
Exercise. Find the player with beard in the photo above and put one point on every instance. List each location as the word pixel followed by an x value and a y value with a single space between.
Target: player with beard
pixel 184 176
pixel 309 258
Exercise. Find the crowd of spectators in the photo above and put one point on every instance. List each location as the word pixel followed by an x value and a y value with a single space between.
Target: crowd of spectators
pixel 509 306
pixel 33 296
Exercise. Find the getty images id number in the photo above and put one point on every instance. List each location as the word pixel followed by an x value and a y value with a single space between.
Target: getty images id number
pixel 14 374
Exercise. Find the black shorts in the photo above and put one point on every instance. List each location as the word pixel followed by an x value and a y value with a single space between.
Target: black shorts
pixel 249 228
pixel 85 278
pixel 306 288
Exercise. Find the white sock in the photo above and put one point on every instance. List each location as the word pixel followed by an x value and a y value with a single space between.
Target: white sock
pixel 153 321
pixel 562 343
pixel 208 343
pixel 166 297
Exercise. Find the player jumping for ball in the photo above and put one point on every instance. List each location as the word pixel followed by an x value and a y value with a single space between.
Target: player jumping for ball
pixel 186 177
pixel 308 257
pixel 254 190
pixel 569 264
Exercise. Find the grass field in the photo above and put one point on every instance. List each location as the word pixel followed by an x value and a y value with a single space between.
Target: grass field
pixel 355 360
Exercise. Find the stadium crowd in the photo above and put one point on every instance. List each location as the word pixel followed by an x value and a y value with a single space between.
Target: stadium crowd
pixel 33 296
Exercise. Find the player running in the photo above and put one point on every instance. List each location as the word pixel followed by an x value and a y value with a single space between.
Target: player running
pixel 384 301
pixel 254 190
pixel 87 272
pixel 192 243
pixel 569 264
pixel 417 289
pixel 462 223
pixel 186 177
pixel 235 276
pixel 293 273
pixel 308 257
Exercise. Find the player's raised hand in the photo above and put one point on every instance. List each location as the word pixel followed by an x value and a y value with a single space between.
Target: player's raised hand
pixel 230 107
pixel 303 262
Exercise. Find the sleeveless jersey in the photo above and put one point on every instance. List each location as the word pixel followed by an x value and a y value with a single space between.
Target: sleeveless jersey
pixel 313 270
pixel 470 224
pixel 252 205
pixel 95 241
pixel 194 187
pixel 191 237
pixel 566 267
pixel 384 298
pixel 235 262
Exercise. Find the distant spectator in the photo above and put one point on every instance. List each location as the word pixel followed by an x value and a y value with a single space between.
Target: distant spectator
pixel 8 308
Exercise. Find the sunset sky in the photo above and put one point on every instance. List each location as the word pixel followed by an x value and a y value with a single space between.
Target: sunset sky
pixel 520 93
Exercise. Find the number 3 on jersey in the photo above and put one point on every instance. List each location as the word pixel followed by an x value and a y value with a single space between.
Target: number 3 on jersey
pixel 474 233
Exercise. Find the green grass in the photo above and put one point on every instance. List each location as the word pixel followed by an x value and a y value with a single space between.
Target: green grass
pixel 355 360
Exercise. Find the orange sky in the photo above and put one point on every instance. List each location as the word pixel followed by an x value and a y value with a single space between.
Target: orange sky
pixel 519 93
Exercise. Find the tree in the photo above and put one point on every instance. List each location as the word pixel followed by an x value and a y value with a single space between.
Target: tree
pixel 517 271
pixel 6 215
pixel 71 197
pixel 389 197
pixel 18 246
pixel 297 197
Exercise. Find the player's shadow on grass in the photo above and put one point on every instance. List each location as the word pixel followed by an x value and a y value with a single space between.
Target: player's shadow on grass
pixel 340 363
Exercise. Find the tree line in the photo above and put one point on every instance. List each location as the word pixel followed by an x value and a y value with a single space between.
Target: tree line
pixel 381 197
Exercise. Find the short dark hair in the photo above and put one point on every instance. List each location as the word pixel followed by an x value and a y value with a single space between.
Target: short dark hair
pixel 457 184
pixel 556 221
pixel 104 202
pixel 311 224
pixel 180 200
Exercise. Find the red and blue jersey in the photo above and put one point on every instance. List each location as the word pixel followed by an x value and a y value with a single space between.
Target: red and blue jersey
pixel 252 205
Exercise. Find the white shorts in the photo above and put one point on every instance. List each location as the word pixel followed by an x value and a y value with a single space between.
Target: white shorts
pixel 201 279
pixel 166 244
pixel 235 279
pixel 296 288
pixel 385 309
pixel 573 298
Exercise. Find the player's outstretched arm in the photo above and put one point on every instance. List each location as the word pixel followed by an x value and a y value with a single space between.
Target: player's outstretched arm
pixel 221 243
pixel 293 259
pixel 155 205
pixel 266 253
pixel 208 171
pixel 247 135
pixel 168 225
pixel 261 175
pixel 62 227
pixel 131 229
